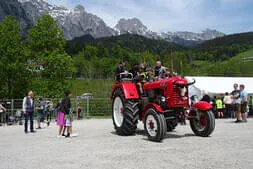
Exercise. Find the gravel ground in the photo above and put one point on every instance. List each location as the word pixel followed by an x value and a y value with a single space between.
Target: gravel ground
pixel 97 146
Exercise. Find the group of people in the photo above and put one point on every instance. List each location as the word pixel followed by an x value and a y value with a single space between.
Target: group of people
pixel 140 74
pixel 236 104
pixel 239 102
pixel 64 115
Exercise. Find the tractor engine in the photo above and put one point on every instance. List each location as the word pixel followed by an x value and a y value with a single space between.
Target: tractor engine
pixel 169 93
pixel 172 96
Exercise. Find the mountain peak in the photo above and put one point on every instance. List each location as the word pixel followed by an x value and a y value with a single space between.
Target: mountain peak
pixel 77 22
pixel 79 8
pixel 132 25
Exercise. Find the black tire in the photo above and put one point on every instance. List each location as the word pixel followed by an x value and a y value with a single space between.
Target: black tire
pixel 130 115
pixel 198 128
pixel 161 129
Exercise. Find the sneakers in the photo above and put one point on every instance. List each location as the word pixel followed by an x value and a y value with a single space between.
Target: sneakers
pixel 67 136
pixel 38 127
pixel 73 135
pixel 60 136
pixel 33 131
pixel 238 121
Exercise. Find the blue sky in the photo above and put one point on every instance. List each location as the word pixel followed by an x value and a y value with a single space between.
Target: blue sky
pixel 228 16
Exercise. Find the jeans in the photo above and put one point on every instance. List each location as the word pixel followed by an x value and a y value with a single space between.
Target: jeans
pixel 29 115
pixel 49 115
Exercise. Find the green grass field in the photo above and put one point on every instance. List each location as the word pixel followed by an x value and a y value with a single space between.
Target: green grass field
pixel 100 88
pixel 236 66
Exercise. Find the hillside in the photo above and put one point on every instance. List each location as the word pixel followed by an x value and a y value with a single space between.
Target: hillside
pixel 208 58
pixel 133 43
pixel 223 48
pixel 239 65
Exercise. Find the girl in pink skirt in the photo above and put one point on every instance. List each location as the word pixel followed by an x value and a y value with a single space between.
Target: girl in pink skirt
pixel 61 122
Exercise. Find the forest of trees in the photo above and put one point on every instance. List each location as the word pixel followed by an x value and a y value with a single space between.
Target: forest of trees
pixel 39 60
pixel 44 60
pixel 199 60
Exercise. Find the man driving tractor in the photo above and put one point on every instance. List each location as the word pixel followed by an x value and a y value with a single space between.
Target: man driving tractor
pixel 159 71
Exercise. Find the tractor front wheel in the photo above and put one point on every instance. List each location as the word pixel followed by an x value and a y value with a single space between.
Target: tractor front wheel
pixel 124 114
pixel 155 125
pixel 203 123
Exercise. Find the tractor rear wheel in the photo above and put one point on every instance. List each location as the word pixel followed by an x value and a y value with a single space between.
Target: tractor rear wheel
pixel 155 125
pixel 124 114
pixel 204 123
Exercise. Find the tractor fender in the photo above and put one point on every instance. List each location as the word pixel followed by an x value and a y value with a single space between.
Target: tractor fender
pixel 151 105
pixel 129 90
pixel 202 105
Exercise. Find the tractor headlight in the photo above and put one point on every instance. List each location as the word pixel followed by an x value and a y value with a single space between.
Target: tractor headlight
pixel 183 93
pixel 163 99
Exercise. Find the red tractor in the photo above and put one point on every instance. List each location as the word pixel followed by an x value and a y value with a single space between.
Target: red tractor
pixel 166 104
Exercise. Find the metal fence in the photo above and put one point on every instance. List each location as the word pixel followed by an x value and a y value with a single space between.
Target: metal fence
pixel 91 108
pixel 95 107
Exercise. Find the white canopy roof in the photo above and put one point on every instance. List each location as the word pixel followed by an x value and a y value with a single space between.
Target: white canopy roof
pixel 218 85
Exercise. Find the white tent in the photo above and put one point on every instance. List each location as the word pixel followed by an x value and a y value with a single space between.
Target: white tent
pixel 217 85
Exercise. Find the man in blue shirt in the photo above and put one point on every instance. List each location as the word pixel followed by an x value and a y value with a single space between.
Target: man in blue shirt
pixel 244 103
pixel 41 109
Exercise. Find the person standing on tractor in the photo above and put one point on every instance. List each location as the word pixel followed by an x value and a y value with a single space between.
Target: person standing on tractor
pixel 159 71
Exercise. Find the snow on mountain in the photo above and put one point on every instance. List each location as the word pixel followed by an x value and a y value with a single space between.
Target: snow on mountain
pixel 77 22
pixel 74 22
pixel 135 26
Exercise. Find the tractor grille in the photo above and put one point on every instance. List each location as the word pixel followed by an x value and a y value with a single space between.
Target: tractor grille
pixel 176 98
